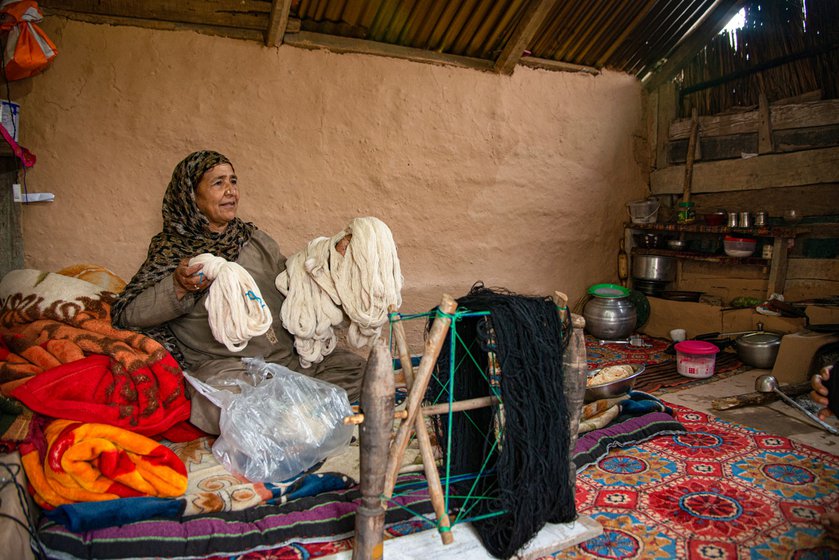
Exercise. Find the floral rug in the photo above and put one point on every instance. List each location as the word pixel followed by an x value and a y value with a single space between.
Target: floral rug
pixel 716 491
pixel 719 491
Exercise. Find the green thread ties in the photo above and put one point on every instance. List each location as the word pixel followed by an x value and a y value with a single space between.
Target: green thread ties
pixel 459 353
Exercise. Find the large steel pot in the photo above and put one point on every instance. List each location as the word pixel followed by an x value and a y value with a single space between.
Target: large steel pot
pixel 610 318
pixel 654 267
pixel 758 349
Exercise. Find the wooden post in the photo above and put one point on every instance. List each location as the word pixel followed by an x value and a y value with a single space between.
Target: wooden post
pixel 778 266
pixel 435 488
pixel 574 369
pixel 691 155
pixel 429 358
pixel 765 145
pixel 377 402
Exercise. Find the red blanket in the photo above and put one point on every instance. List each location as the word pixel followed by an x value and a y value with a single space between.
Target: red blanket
pixel 61 357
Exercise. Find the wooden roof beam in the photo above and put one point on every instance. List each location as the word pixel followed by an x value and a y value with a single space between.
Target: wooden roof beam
pixel 277 23
pixel 342 45
pixel 536 13
pixel 720 15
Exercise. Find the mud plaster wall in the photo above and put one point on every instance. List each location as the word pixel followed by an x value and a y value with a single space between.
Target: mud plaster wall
pixel 517 181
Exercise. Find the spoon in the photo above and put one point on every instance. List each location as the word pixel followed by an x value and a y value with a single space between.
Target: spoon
pixel 768 384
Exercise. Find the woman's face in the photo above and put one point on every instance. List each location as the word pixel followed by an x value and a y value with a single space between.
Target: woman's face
pixel 217 196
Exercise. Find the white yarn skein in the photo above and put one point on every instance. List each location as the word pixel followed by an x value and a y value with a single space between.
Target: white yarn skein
pixel 308 312
pixel 367 277
pixel 236 310
pixel 364 282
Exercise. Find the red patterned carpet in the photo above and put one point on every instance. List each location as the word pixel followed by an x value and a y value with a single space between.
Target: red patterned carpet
pixel 721 491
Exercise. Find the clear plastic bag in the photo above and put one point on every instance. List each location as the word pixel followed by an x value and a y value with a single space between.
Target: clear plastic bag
pixel 280 427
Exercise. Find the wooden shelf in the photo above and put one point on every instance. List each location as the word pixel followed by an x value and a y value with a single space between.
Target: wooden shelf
pixel 763 231
pixel 702 257
pixel 776 266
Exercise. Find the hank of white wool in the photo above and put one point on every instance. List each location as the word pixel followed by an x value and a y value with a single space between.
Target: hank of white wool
pixel 236 310
pixel 322 287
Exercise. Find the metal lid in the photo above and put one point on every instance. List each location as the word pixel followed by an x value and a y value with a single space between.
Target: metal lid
pixel 760 339
pixel 608 291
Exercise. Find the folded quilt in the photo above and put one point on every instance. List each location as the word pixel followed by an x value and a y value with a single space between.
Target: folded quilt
pixel 77 462
pixel 60 355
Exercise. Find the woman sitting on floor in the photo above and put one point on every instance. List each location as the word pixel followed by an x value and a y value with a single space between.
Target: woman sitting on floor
pixel 165 299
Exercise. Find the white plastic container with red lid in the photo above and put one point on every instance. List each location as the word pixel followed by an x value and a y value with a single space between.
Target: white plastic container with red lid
pixel 696 358
pixel 739 246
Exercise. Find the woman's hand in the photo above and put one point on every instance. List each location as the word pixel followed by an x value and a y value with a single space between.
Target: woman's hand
pixel 189 279
pixel 819 392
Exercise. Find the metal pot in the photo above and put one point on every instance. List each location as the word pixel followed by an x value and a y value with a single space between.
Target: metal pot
pixel 654 267
pixel 610 318
pixel 758 349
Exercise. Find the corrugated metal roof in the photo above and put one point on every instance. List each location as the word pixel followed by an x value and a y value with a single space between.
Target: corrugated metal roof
pixel 626 35
pixel 632 36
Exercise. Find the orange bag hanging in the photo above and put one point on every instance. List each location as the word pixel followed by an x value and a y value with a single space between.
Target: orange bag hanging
pixel 28 49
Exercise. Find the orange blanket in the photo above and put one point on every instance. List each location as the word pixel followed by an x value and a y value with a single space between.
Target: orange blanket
pixel 61 357
pixel 95 462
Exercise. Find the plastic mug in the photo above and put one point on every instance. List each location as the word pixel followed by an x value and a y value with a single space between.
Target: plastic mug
pixel 678 335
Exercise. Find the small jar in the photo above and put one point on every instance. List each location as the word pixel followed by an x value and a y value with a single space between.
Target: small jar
pixel 745 220
pixel 766 252
pixel 686 213
pixel 760 218
pixel 732 219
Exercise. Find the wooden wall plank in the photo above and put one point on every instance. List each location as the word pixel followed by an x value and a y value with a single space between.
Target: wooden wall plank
pixel 733 146
pixel 231 32
pixel 787 116
pixel 765 171
pixel 242 14
pixel 813 269
pixel 714 148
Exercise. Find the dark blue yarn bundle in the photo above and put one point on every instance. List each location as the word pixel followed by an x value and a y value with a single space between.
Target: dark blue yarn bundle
pixel 527 473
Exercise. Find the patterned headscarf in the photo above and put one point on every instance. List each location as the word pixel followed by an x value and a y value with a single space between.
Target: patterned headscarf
pixel 186 230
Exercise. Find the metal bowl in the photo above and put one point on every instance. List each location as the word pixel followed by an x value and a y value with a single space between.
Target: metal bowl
pixel 612 388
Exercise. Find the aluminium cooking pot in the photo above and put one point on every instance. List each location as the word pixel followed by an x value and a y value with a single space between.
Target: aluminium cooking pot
pixel 654 267
pixel 758 349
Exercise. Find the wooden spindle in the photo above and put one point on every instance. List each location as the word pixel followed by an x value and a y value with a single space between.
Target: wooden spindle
pixel 377 404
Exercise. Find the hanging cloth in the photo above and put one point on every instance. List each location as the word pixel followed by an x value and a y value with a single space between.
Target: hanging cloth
pixel 28 49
